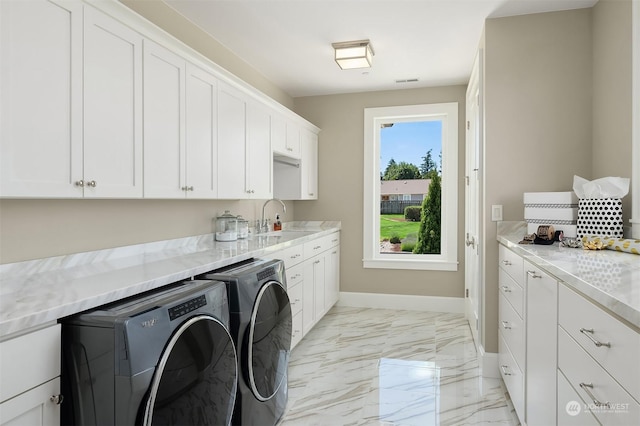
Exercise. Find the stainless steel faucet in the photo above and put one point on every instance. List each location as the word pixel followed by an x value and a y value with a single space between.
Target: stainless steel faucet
pixel 264 227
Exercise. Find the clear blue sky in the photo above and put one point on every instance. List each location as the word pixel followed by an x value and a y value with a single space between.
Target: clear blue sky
pixel 410 142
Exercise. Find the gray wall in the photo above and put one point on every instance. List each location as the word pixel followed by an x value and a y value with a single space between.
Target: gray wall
pixel 341 152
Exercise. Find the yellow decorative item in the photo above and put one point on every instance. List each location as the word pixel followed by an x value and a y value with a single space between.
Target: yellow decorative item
pixel 618 244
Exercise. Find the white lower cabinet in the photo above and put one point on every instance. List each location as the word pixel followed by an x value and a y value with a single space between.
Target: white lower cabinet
pixel 313 281
pixel 30 371
pixel 541 342
pixel 563 359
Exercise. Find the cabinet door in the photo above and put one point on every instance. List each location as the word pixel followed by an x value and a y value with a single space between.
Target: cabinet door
pixel 309 164
pixel 202 133
pixel 319 278
pixel 112 107
pixel 278 134
pixel 308 297
pixel 164 100
pixel 41 102
pixel 33 408
pixel 231 142
pixel 293 140
pixel 541 357
pixel 332 280
pixel 259 157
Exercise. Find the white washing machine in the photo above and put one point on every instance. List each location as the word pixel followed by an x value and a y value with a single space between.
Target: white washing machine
pixel 164 357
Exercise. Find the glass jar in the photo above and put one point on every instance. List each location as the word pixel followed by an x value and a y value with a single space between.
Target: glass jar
pixel 226 227
pixel 243 227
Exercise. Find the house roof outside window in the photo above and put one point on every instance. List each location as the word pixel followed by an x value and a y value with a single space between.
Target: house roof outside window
pixel 399 187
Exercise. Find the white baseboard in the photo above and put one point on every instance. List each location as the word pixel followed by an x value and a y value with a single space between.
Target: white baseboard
pixel 402 301
pixel 488 362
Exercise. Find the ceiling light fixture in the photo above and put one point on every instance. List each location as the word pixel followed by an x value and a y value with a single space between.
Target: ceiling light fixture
pixel 353 54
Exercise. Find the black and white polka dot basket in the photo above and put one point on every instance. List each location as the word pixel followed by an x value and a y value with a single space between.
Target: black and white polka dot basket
pixel 600 217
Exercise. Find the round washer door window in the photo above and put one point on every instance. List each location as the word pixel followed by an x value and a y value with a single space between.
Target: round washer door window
pixel 196 378
pixel 269 340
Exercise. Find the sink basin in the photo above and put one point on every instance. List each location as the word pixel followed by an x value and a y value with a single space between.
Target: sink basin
pixel 284 233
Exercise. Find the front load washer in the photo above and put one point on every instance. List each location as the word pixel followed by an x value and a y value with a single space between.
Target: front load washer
pixel 164 357
pixel 261 329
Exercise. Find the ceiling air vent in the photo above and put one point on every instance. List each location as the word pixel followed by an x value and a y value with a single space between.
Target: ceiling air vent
pixel 407 80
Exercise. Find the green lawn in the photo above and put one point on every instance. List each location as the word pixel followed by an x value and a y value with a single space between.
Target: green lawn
pixel 391 224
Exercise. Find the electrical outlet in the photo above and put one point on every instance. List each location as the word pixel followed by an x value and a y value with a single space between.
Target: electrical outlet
pixel 496 212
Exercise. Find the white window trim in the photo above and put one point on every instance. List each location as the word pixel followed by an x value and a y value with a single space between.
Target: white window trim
pixel 447 260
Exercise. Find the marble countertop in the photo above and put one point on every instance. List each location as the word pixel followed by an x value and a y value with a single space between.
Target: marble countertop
pixel 38 292
pixel 608 277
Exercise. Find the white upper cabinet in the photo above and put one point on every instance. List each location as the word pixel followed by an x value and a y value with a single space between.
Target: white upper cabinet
pixel 41 101
pixel 202 134
pixel 112 108
pixel 309 165
pixel 231 142
pixel 97 102
pixel 258 163
pixel 292 147
pixel 164 123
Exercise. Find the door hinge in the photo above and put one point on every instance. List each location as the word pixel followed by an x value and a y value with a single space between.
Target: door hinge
pixel 467 293
pixel 468 124
pixel 467 178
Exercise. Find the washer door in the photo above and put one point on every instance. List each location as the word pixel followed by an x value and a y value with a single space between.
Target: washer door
pixel 269 340
pixel 196 378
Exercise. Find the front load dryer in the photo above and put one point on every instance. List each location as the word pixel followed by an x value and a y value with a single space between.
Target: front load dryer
pixel 164 357
pixel 261 329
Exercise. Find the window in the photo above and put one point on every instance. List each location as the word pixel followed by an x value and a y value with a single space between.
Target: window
pixel 377 119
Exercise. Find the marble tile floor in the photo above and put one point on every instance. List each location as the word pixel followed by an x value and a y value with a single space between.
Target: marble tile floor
pixel 362 366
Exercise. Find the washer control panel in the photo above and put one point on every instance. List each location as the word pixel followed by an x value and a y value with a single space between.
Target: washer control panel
pixel 186 307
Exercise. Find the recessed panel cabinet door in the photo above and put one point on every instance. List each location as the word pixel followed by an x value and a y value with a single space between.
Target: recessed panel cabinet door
pixel 164 118
pixel 202 133
pixel 112 108
pixel 309 154
pixel 231 142
pixel 41 101
pixel 259 157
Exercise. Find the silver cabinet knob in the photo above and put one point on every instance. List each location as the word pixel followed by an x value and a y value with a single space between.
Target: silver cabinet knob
pixel 80 183
pixel 92 183
pixel 56 399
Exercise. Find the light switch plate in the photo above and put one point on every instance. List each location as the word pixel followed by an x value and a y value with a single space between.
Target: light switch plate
pixel 496 212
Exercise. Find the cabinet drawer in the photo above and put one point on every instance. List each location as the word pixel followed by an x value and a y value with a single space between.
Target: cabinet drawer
pixel 512 264
pixel 334 239
pixel 512 329
pixel 512 376
pixel 295 298
pixel 317 246
pixel 571 408
pixel 587 377
pixel 296 329
pixel 576 313
pixel 294 275
pixel 28 361
pixel 512 291
pixel 291 256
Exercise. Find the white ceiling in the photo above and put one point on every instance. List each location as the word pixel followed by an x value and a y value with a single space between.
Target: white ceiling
pixel 289 41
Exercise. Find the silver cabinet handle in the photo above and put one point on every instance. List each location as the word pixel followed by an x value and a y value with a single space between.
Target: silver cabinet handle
pixel 56 399
pixel 588 332
pixel 504 370
pixel 506 263
pixel 506 289
pixel 317 247
pixel 505 325
pixel 533 274
pixel 92 183
pixel 587 388
pixel 80 183
pixel 316 262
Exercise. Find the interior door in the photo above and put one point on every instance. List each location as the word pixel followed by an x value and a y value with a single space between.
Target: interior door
pixel 473 249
